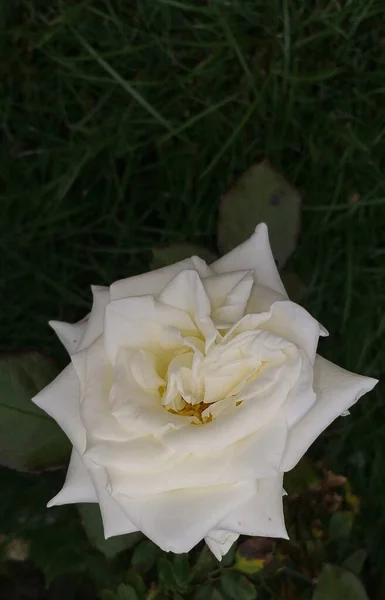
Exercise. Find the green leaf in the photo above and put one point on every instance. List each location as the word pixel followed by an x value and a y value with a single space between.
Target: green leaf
pixel 229 557
pixel 126 592
pixel 166 574
pixel 181 568
pixel 204 593
pixel 163 257
pixel 92 522
pixel 29 438
pixel 107 595
pixel 207 592
pixel 355 561
pixel 144 556
pixel 261 194
pixel 340 525
pixel 335 583
pixel 237 586
pixel 133 578
pixel 302 478
pixel 205 564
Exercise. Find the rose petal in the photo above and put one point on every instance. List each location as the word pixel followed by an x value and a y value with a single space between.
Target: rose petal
pixel 302 397
pixel 254 254
pixel 260 515
pixel 258 455
pixel 61 400
pixel 132 456
pixel 336 390
pixel 136 409
pixel 78 485
pixel 115 520
pixel 69 333
pixel 176 521
pixel 220 542
pixel 95 325
pixel 270 390
pixel 261 298
pixel 219 286
pixel 287 320
pixel 292 322
pixel 154 281
pixel 235 303
pixel 186 292
pixel 142 322
pixel 95 410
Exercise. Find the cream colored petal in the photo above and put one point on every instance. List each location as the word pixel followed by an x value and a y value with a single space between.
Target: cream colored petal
pixel 95 325
pixel 95 408
pixel 142 322
pixel 139 411
pixel 260 515
pixel 254 254
pixel 185 291
pixel 61 400
pixel 292 322
pixel 336 390
pixel 219 286
pixel 131 456
pixel 115 520
pixel 176 521
pixel 270 390
pixel 234 306
pixel 69 334
pixel 261 298
pixel 287 320
pixel 78 485
pixel 302 397
pixel 220 542
pixel 147 469
pixel 154 281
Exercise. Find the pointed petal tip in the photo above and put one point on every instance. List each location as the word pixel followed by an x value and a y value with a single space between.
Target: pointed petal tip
pixel 262 227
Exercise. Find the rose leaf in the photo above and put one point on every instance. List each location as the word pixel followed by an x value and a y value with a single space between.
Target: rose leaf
pixel 260 195
pixel 29 438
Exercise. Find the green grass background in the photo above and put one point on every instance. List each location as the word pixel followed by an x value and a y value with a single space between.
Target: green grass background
pixel 124 122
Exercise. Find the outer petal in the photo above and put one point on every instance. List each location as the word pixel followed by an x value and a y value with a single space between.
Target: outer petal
pixel 262 514
pixel 254 254
pixel 61 400
pixel 96 386
pixel 69 333
pixel 261 298
pixel 176 521
pixel 219 287
pixel 186 292
pixel 77 336
pixel 115 521
pixel 336 391
pixel 220 542
pixel 287 320
pixel 154 281
pixel 95 324
pixel 256 456
pixel 78 485
pixel 302 397
pixel 292 322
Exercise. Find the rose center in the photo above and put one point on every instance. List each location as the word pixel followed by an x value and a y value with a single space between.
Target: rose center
pixel 199 385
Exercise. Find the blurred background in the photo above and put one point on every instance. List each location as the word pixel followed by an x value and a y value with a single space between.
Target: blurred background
pixel 123 124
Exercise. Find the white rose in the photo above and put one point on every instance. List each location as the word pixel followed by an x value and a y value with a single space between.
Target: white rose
pixel 191 390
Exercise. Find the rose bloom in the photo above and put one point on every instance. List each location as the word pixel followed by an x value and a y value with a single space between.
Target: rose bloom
pixel 190 391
